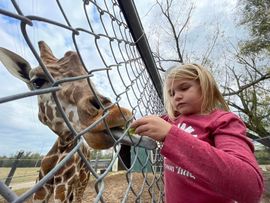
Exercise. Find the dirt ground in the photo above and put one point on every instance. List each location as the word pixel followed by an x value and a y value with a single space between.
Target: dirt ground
pixel 115 187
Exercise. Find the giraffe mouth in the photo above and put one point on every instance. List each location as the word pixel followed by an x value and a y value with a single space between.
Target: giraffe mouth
pixel 133 140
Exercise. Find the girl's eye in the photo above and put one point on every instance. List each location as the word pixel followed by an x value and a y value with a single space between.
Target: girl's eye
pixel 184 88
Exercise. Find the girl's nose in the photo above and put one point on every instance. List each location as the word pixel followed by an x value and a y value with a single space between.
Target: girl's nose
pixel 178 96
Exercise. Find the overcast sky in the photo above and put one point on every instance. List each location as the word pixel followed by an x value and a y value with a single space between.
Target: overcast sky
pixel 19 127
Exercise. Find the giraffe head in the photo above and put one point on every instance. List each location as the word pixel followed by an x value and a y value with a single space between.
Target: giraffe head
pixel 81 103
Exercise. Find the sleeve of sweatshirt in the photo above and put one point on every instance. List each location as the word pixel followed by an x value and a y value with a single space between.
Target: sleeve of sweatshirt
pixel 229 167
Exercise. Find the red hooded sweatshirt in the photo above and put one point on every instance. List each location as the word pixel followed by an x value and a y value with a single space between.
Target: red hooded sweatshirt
pixel 209 159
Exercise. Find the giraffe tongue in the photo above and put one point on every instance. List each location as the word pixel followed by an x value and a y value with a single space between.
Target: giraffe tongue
pixel 133 140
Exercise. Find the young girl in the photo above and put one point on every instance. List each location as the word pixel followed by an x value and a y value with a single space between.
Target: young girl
pixel 207 156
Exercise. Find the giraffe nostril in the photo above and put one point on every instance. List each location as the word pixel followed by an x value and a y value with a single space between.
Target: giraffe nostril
pixel 95 103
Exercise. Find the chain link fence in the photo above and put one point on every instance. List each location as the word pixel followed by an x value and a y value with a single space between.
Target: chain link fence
pixel 113 49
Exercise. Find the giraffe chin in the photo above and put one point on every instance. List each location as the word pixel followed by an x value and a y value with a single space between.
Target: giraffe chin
pixel 99 140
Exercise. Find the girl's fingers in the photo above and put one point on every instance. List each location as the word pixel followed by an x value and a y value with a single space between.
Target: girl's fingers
pixel 139 122
pixel 141 129
pixel 151 126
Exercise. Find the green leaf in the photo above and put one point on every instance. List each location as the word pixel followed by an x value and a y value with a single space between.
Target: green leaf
pixel 131 131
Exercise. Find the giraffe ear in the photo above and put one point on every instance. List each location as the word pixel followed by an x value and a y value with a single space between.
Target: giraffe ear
pixel 46 53
pixel 16 65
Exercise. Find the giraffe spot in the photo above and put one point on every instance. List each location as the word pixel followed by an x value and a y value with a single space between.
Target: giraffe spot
pixel 82 177
pixel 58 126
pixel 42 107
pixel 40 194
pixel 61 170
pixel 60 192
pixel 70 161
pixel 69 173
pixel 58 180
pixel 49 112
pixel 57 113
pixel 71 182
pixel 48 162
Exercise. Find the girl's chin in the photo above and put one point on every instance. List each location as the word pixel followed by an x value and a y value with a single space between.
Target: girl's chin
pixel 186 112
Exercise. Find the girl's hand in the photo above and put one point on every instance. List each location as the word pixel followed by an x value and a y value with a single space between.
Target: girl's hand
pixel 152 126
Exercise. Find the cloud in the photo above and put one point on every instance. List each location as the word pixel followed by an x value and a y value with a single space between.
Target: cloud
pixel 20 128
pixel 14 139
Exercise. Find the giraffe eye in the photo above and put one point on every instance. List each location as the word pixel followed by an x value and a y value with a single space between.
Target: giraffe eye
pixel 38 82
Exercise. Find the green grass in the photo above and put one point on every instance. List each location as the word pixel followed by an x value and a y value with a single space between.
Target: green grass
pixel 21 174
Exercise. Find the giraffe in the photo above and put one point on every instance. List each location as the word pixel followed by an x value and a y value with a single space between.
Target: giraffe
pixel 81 108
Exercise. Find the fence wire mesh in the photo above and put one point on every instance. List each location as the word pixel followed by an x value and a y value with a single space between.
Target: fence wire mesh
pixel 110 57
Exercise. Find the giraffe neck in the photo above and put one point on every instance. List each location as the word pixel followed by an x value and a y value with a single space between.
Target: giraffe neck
pixel 66 141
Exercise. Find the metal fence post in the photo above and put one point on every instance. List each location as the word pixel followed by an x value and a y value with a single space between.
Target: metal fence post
pixel 13 169
pixel 132 18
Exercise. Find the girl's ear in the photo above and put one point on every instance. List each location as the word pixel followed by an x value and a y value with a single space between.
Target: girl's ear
pixel 16 65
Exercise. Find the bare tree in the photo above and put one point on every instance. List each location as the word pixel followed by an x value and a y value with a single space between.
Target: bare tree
pixel 176 19
pixel 249 95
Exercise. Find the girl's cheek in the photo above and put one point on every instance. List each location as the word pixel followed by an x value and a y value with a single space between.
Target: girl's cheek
pixel 174 106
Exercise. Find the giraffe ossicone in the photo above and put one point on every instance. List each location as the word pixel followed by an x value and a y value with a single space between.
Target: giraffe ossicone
pixel 83 106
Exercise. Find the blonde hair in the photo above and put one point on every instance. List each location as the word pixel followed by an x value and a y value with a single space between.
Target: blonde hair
pixel 211 96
